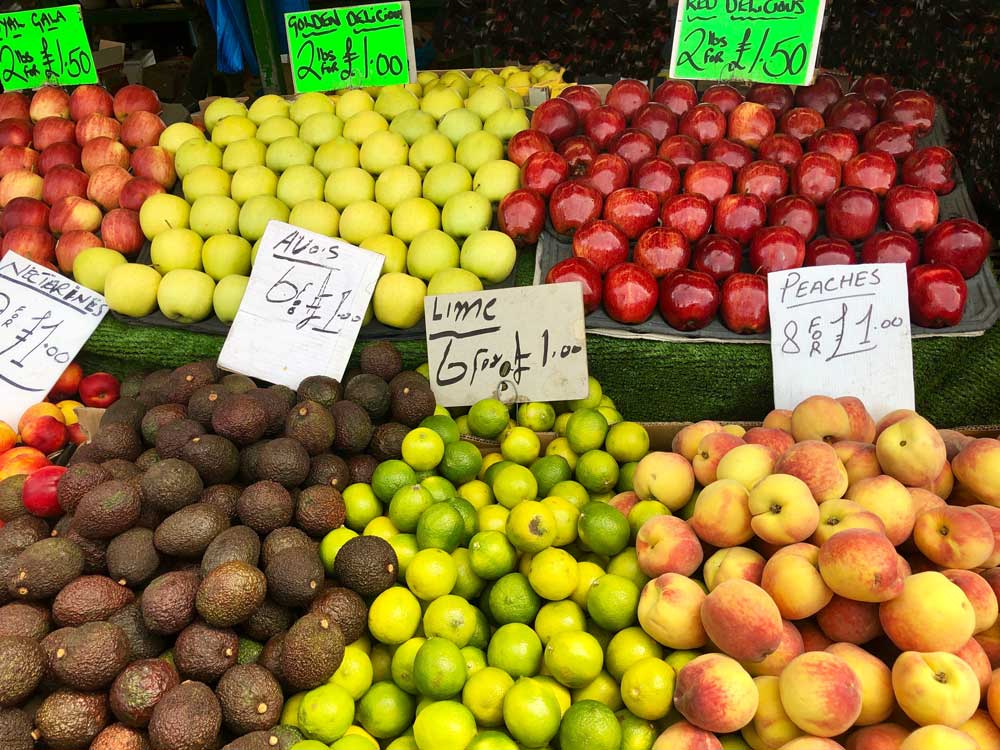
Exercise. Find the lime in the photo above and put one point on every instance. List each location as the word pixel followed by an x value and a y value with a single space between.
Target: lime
pixel 487 418
pixel 331 544
pixel 483 695
pixel 641 512
pixel 452 618
pixel 531 713
pixel 521 446
pixel 586 430
pixel 612 601
pixel 481 638
pixel 559 428
pixel 361 504
pixel 550 471
pixel 470 519
pixel 561 692
pixel 626 476
pixel 431 573
pixel 648 688
pixel 558 617
pixel 462 462
pixel 493 518
pixel 637 734
pixel 566 516
pixel 476 491
pixel 489 460
pixel 603 529
pixel 574 658
pixel 443 425
pixel 326 712
pixel 512 600
pixel 611 415
pixel 441 526
pixel 603 636
pixel 491 555
pixel 553 574
pixel 628 647
pixel 404 742
pixel 389 476
pixel 439 669
pixel 310 745
pixel 407 504
pixel 573 491
pixel 604 690
pixel 439 487
pixel 531 527
pixel 537 416
pixel 678 659
pixel 402 664
pixel 290 711
pixel 489 474
pixel 589 725
pixel 445 725
pixel 593 398
pixel 394 616
pixel 467 584
pixel 422 448
pixel 381 527
pixel 354 673
pixel 490 740
pixel 405 546
pixel 626 565
pixel 587 574
pixel 511 424
pixel 560 447
pixel 513 484
pixel 475 659
pixel 381 658
pixel 516 649
pixel 597 471
pixel 354 742
pixel 462 423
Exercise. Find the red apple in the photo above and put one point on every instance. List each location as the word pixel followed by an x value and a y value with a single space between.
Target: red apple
pixel 852 213
pixel 911 209
pixel 659 176
pixel 750 123
pixel 776 249
pixel 777 97
pixel 523 144
pixel 521 214
pixel 679 96
pixel 135 98
pixel 120 231
pixel 608 173
pixel 556 118
pixel 690 214
pixel 579 152
pixel 734 155
pixel 106 185
pixel 74 213
pixel 13 158
pixel 15 132
pixel 24 212
pixel 61 181
pixel 543 170
pixel 660 250
pixel 627 96
pixel 583 98
pixel 961 242
pixel 797 212
pixel 709 178
pixel 739 216
pixel 840 143
pixel 582 271
pixel 891 137
pixel 72 244
pixel 718 256
pixel 66 154
pixel 875 170
pixel 136 191
pixel 99 390
pixel 932 167
pixel 816 177
pixel 827 251
pixel 912 109
pixel 573 204
pixel 632 210
pixel 781 148
pixel 156 163
pixel 101 151
pixel 688 299
pixel 655 119
pixel 14 104
pixel 30 242
pixel 874 87
pixel 629 293
pixel 767 180
pixel 96 125
pixel 142 128
pixel 53 130
pixel 891 247
pixel 602 243
pixel 723 96
pixel 823 92
pixel 801 122
pixel 680 150
pixel 19 183
pixel 937 295
pixel 603 124
pixel 634 146
pixel 703 122
pixel 744 303
pixel 88 99
pixel 853 112
pixel 49 101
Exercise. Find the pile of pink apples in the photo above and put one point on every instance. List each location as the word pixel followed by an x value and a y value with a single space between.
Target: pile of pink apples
pixel 77 165
pixel 665 194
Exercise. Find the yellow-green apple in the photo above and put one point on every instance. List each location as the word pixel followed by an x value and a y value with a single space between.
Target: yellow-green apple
pixel 670 611
pixel 299 183
pixel 783 510
pixel 497 178
pixel 815 463
pixel 935 688
pixel 214 215
pixel 349 185
pixel 821 418
pixel 992 516
pixel 20 183
pixel 732 563
pixel 362 220
pixel 688 438
pixel 716 694
pixel 350 103
pixel 363 124
pixel 924 500
pixel 469 214
pixel 983 731
pixel 247 153
pixel 979 591
pixel 193 153
pixel 269 105
pixel 975 656
pixel 74 213
pixel 861 564
pixel 710 451
pixel 686 736
pixel 233 129
pixel 249 182
pixel 224 255
pixel 316 216
pixel 791 578
pixel 977 466
pixel 396 184
pixel 413 216
pixel 774 663
pixel 130 289
pixel 911 451
pixel 938 737
pixel 875 678
pixel 848 621
pixel 414 123
pixel 821 693
pixel 954 537
pixel 381 150
pixel 460 122
pixel 161 212
pixel 257 212
pixel 666 477
pixel 321 128
pixel 154 163
pixel 891 418
pixel 92 266
pixel 177 134
pixel 72 244
pixel 174 249
pixel 431 149
pixel 442 181
pixel 399 300
pixel 859 459
pixel 890 501
pixel 221 108
pixel 100 151
pixel 779 419
pixel 885 736
pixel 228 296
pixel 777 440
pixel 839 515
pixel 742 620
pixel 747 464
pixel 666 544
pixel 721 514
pixel 930 614
pixel 862 424
pixel 105 186
pixel 477 148
pixel 205 180
pixel 771 724
pixel 186 296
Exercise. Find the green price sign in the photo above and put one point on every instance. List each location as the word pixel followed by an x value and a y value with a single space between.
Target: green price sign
pixel 48 45
pixel 771 41
pixel 365 45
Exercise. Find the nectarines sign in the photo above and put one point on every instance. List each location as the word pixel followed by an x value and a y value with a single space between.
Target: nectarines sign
pixel 45 46
pixel 771 41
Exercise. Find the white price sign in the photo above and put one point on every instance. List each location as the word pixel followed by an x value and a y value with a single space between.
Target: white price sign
pixel 517 345
pixel 45 319
pixel 842 331
pixel 303 307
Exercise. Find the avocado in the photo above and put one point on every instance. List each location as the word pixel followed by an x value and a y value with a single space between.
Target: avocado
pixel 236 383
pixel 276 408
pixel 116 440
pixel 204 653
pixel 381 358
pixel 187 379
pixel 15 730
pixel 216 459
pixel 259 740
pixel 132 557
pixel 312 425
pixel 53 644
pixel 203 401
pixel 362 468
pixel 168 602
pixel 239 543
pixel 25 619
pixel 224 497
pixel 312 651
pixel 11 505
pixel 20 533
pixel 248 462
pixel 249 651
pixel 92 656
pixel 240 418
pixel 283 538
pixel 367 565
pixel 250 697
pixel 89 599
pixel 284 737
pixel 70 720
pixel 41 571
pixel 147 459
pixel 345 608
pixel 119 737
pixel 284 461
pixel 371 393
pixel 108 509
pixel 159 417
pixel 266 621
pixel 85 453
pixel 171 485
pixel 142 643
pixel 328 469
pixel 294 576
pixel 265 506
pixel 125 410
pixel 354 427
pixel 153 390
pixel 171 437
pixel 270 656
pixel 407 379
pixel 319 510
pixel 230 593
pixel 131 385
pixel 188 717
pixel 321 389
pixel 413 403
pixel 119 468
pixel 22 666
pixel 139 687
pixel 387 441
pixel 188 532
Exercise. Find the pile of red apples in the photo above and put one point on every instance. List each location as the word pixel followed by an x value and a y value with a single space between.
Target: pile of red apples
pixel 687 202
pixel 75 168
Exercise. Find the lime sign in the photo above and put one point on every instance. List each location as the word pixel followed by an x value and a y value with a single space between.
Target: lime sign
pixel 770 41
pixel 47 45
pixel 364 45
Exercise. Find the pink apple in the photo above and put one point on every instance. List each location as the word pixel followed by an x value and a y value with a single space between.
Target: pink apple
pixel 120 231
pixel 63 180
pixel 96 125
pixel 67 154
pixel 17 157
pixel 101 151
pixel 30 242
pixel 88 99
pixel 49 101
pixel 24 212
pixel 135 98
pixel 72 244
pixel 156 163
pixel 53 130
pixel 74 213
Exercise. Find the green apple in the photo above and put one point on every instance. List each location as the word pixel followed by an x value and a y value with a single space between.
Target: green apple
pixel 429 150
pixel 161 212
pixel 491 79
pixel 91 267
pixel 266 107
pixel 413 216
pixel 453 281
pixel 174 136
pixel 221 108
pixel 363 219
pixel 257 212
pixel 497 178
pixel 186 296
pixel 205 180
pixel 465 213
pixel 399 300
pixel 382 150
pixel 320 128
pixel 287 152
pixel 309 104
pixel 395 99
pixel 458 80
pixel 445 180
pixel 131 290
pixel 412 124
pixel 393 248
pixel 275 128
pixel 176 248
pixel 363 124
pixel 489 254
pixel 348 185
pixel 459 123
pixel 477 148
pixel 194 153
pixel 486 100
pixel 253 251
pixel 224 255
pixel 440 101
pixel 505 123
pixel 316 216
pixel 353 101
pixel 232 129
pixel 300 183
pixel 479 74
pixel 430 252
pixel 228 296
pixel 427 76
pixel 396 184
pixel 214 214
pixel 251 181
pixel 336 154
pixel 248 153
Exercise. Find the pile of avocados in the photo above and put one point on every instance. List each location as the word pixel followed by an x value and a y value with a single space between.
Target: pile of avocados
pixel 181 595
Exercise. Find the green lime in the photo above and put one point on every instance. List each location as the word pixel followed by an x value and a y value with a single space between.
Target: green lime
pixel 470 519
pixel 439 669
pixel 491 555
pixel 462 423
pixel 586 430
pixel 439 487
pixel 612 602
pixel 405 546
pixel 488 418
pixel 637 734
pixel 587 573
pixel 326 712
pixel 407 505
pixel 550 471
pixel 381 658
pixel 512 600
pixel 531 527
pixel 361 505
pixel 560 447
pixel 603 636
pixel 402 664
pixel 603 529
pixel 476 492
pixel 589 725
pixel 566 516
pixel 394 616
pixel 462 462
pixel 422 448
pixel 452 618
pixel 593 398
pixel 516 649
pixel 571 490
pixel 626 565
pixel 475 659
pixel 597 471
pixel 403 742
pixel 537 416
pixel 553 574
pixel 559 617
pixel 483 695
pixel 443 425
pixel 354 673
pixel 490 469
pixel 441 526
pixel 445 725
pixel 513 484
pixel 481 638
pixel 331 544
pixel 648 688
pixel 354 742
pixel 431 573
pixel 310 745
pixel 491 740
pixel 574 658
pixel 626 475
pixel 627 441
pixel 627 647
pixel 389 476
pixel 521 446
pixel 468 585
pixel 531 713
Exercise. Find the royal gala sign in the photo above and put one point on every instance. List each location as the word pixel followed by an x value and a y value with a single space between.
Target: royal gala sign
pixel 771 41
pixel 365 45
pixel 842 330
pixel 48 45
pixel 303 307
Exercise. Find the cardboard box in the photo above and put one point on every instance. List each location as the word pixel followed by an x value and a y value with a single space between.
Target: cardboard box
pixel 136 63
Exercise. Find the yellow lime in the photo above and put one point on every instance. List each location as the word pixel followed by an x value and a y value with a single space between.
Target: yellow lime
pixel 403 742
pixel 492 740
pixel 431 573
pixel 560 447
pixel 536 415
pixel 590 725
pixel 553 574
pixel 627 441
pixel 407 505
pixel 402 664
pixel 326 712
pixel 439 487
pixel 483 695
pixel 603 529
pixel 481 638
pixel 355 742
pixel 381 526
pixel 516 650
pixel 422 448
pixel 678 659
pixel 389 476
pixel 587 573
pixel 559 428
pixel 476 492
pixel 489 460
pixel 531 527
pixel 561 692
pixel 475 660
pixel 462 423
pixel 441 526
pixel 514 484
pixel 511 424
pixel 573 491
pixel 443 425
pixel 445 725
pixel 452 618
pixel 331 544
pixel 566 515
pixel 354 673
pixel 559 617
pixel 491 555
pixel 493 518
pixel 467 584
pixel 550 471
pixel 603 689
pixel 612 602
pixel 406 549
pixel 290 711
pixel 586 430
pixel 310 745
pixel 488 418
pixel 490 475
pixel 439 669
pixel 611 415
pixel 597 471
pixel 394 616
pixel 524 566
pixel 637 734
pixel 626 565
pixel 521 446
pixel 461 462
pixel 531 713
pixel 648 688
pixel 574 658
pixel 512 600
pixel 361 504
pixel 593 398
pixel 628 647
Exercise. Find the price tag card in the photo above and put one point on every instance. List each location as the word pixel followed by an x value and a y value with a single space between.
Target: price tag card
pixel 772 41
pixel 365 45
pixel 842 331
pixel 48 45
pixel 520 344
pixel 303 307
pixel 45 319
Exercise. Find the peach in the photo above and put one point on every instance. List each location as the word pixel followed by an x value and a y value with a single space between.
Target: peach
pixel 783 510
pixel 974 655
pixel 779 419
pixel 687 439
pixel 815 463
pixel 771 724
pixel 938 737
pixel 980 594
pixel 859 460
pixel 962 496
pixel 935 688
pixel 666 477
pixel 890 501
pixel 862 424
pixel 791 646
pixel 716 694
pixel 47 434
pixel 747 464
pixel 821 693
pixel 742 620
pixel 944 484
pixel 954 442
pixel 685 736
pixel 993 697
pixel 711 449
pixel 891 418
pixel 21 460
pixel 930 614
pixel 812 743
pixel 42 409
pixel 886 736
pixel 733 563
pixel 861 564
pixel 813 639
pixel 911 451
pixel 977 466
pixel 791 578
pixel 623 502
pixel 840 515
pixel 848 621
pixel 983 731
pixel 992 577
pixel 735 429
pixel 877 700
pixel 954 537
pixel 821 418
pixel 670 611
pixel 666 544
pixel 989 639
pixel 924 500
pixel 777 440
pixel 8 438
pixel 722 514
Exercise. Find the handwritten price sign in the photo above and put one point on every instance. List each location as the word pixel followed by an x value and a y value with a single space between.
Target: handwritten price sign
pixel 366 45
pixel 842 331
pixel 771 41
pixel 45 46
